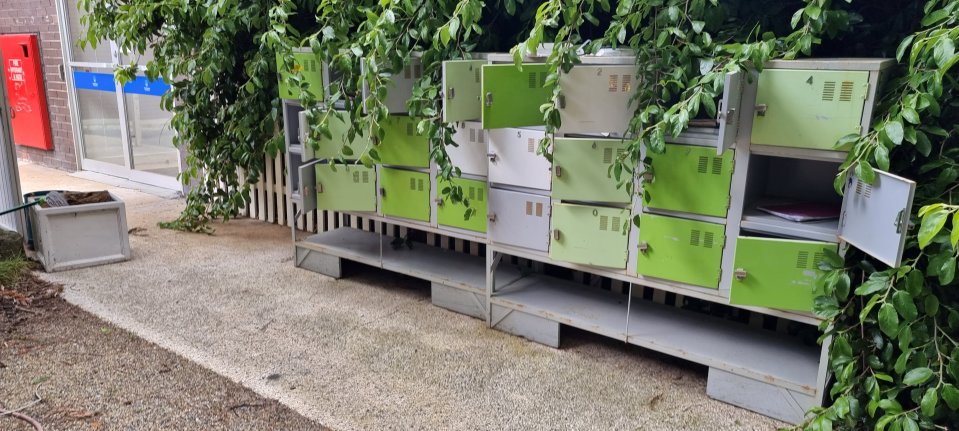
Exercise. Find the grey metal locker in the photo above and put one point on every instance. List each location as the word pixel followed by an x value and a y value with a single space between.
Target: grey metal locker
pixel 513 159
pixel 518 219
pixel 470 155
pixel 726 127
pixel 875 217
pixel 307 189
pixel 595 99
pixel 400 89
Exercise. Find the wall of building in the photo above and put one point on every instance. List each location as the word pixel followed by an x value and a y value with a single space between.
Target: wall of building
pixel 39 17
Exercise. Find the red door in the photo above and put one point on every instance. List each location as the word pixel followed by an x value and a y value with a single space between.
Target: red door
pixel 21 63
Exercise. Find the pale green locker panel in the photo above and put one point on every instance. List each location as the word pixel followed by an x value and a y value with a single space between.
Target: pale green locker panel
pixel 402 145
pixel 405 194
pixel 590 235
pixel 581 170
pixel 453 215
pixel 777 273
pixel 461 90
pixel 690 179
pixel 512 96
pixel 310 69
pixel 681 250
pixel 345 188
pixel 808 108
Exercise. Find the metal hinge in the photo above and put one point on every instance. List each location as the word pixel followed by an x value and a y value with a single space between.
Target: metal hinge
pixel 761 109
pixel 865 94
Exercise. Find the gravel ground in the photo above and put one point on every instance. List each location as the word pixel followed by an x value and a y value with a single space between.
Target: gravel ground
pixel 92 375
pixel 369 351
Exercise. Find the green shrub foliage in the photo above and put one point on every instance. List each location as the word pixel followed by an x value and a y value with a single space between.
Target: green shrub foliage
pixel 892 331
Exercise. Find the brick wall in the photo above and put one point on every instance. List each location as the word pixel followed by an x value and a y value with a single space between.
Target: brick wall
pixel 39 17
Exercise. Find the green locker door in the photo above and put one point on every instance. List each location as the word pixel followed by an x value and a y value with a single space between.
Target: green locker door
pixel 686 251
pixel 452 215
pixel 581 170
pixel 405 194
pixel 329 148
pixel 461 90
pixel 345 188
pixel 401 145
pixel 590 235
pixel 512 97
pixel 808 108
pixel 310 69
pixel 777 273
pixel 690 179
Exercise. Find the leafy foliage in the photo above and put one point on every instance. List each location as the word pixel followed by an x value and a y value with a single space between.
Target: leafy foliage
pixel 892 330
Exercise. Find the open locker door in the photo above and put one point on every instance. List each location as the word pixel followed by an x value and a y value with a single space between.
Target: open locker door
pixel 875 217
pixel 727 113
pixel 307 175
pixel 461 90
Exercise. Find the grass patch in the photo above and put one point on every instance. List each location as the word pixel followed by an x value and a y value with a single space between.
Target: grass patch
pixel 12 269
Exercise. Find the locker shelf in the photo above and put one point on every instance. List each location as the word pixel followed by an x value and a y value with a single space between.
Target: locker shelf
pixel 729 346
pixel 758 221
pixel 452 269
pixel 568 303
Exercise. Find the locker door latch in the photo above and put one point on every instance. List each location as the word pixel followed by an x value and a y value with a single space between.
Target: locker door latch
pixel 491 156
pixel 319 188
pixel 451 93
pixel 556 234
pixel 559 171
pixel 761 109
pixel 489 99
pixel 491 217
pixel 382 191
pixel 439 201
pixel 740 274
pixel 899 220
pixel 724 115
pixel 643 247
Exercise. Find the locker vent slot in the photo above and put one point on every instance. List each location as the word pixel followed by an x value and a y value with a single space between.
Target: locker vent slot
pixel 603 223
pixel 708 239
pixel 627 83
pixel 694 237
pixel 418 71
pixel 616 223
pixel 366 177
pixel 539 209
pixel 472 193
pixel 717 165
pixel 472 135
pixel 845 92
pixel 356 177
pixel 529 208
pixel 607 155
pixel 531 145
pixel 532 80
pixel 802 260
pixel 481 136
pixel 419 185
pixel 407 72
pixel 476 74
pixel 816 258
pixel 703 166
pixel 412 183
pixel 829 91
pixel 410 129
pixel 613 83
pixel 480 194
pixel 864 189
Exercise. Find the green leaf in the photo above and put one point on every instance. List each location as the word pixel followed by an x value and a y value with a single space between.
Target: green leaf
pixel 894 131
pixel 888 320
pixel 929 402
pixel 881 155
pixel 910 115
pixel 932 223
pixel 931 304
pixel 951 396
pixel 909 424
pixel 944 51
pixel 917 376
pixel 865 172
pixel 947 272
pixel 872 286
pixel 903 46
pixel 954 237
pixel 905 305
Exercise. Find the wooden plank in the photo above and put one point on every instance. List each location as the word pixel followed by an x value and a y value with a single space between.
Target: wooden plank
pixel 282 192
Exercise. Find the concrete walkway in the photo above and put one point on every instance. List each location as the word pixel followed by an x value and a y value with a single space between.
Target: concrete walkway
pixel 369 351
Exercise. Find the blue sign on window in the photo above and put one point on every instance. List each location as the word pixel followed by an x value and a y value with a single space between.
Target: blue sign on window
pixel 106 82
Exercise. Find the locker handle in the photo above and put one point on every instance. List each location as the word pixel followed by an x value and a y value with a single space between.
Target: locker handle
pixel 724 115
pixel 439 201
pixel 382 191
pixel 761 109
pixel 451 93
pixel 643 247
pixel 319 188
pixel 899 220
pixel 648 177
pixel 559 171
pixel 489 99
pixel 491 156
pixel 740 274
pixel 491 217
pixel 556 234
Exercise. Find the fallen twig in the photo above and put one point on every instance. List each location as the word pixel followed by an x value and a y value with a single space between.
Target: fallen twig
pixel 37 400
pixel 245 405
pixel 25 418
